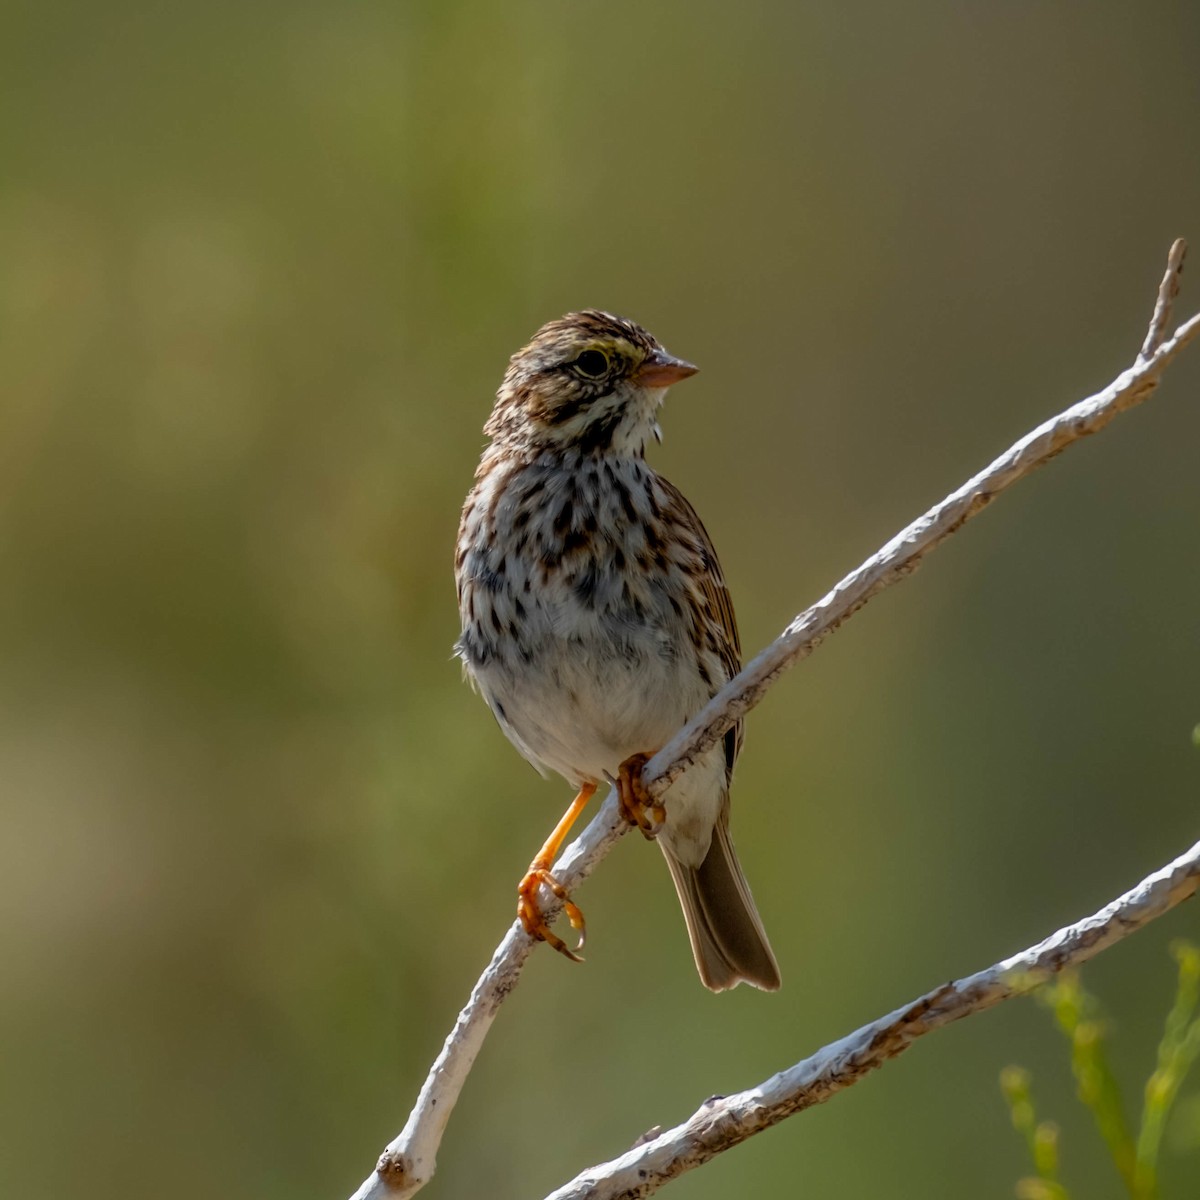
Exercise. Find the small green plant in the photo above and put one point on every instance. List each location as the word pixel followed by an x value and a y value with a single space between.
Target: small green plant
pixel 1078 1015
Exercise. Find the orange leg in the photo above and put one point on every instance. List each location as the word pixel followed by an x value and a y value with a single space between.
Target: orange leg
pixel 638 806
pixel 539 873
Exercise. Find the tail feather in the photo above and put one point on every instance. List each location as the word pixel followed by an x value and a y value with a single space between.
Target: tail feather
pixel 729 943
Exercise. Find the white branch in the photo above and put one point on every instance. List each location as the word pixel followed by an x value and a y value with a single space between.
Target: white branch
pixel 409 1161
pixel 721 1123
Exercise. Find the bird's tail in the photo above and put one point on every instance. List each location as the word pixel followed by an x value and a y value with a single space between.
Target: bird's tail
pixel 726 932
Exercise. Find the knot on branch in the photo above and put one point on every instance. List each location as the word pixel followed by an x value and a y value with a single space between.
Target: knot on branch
pixel 394 1170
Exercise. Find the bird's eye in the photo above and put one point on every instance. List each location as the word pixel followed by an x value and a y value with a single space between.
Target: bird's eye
pixel 592 363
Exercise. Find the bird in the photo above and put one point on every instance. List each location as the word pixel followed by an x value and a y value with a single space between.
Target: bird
pixel 596 619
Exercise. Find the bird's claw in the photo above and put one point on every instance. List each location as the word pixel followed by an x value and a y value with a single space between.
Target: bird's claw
pixel 637 805
pixel 530 913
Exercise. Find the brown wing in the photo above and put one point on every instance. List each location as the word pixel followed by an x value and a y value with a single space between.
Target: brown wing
pixel 717 600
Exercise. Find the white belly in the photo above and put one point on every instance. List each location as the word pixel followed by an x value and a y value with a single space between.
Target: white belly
pixel 583 724
pixel 590 697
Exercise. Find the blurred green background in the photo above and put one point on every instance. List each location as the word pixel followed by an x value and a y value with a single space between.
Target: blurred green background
pixel 261 266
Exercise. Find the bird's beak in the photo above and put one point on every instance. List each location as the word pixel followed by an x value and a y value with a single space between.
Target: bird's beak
pixel 661 370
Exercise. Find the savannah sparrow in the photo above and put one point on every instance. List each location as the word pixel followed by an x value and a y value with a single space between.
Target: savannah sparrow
pixel 595 619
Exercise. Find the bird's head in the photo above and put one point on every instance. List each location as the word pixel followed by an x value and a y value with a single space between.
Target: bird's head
pixel 590 382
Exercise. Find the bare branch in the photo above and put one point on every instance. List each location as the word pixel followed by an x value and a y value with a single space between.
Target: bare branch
pixel 722 1123
pixel 409 1161
pixel 1167 291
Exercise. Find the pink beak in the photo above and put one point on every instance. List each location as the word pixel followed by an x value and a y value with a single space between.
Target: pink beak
pixel 661 370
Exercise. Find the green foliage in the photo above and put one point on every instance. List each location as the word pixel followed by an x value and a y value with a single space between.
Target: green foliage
pixel 1077 1013
pixel 1041 1137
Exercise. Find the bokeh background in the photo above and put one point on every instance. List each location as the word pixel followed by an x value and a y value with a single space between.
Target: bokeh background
pixel 261 266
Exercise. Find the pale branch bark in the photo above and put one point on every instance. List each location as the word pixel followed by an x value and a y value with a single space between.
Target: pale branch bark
pixel 723 1122
pixel 1168 290
pixel 408 1162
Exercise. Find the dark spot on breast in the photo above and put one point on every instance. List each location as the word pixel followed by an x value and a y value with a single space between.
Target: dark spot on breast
pixel 619 558
pixel 586 582
pixel 521 519
pixel 474 649
pixel 566 514
pixel 625 499
pixel 575 540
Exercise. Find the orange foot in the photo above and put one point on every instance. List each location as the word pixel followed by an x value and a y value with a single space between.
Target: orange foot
pixel 530 912
pixel 528 909
pixel 638 806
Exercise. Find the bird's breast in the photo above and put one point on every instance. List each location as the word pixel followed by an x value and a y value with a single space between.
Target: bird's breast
pixel 574 624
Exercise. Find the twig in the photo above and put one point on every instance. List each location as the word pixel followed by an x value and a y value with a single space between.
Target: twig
pixel 408 1162
pixel 722 1123
pixel 1167 291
